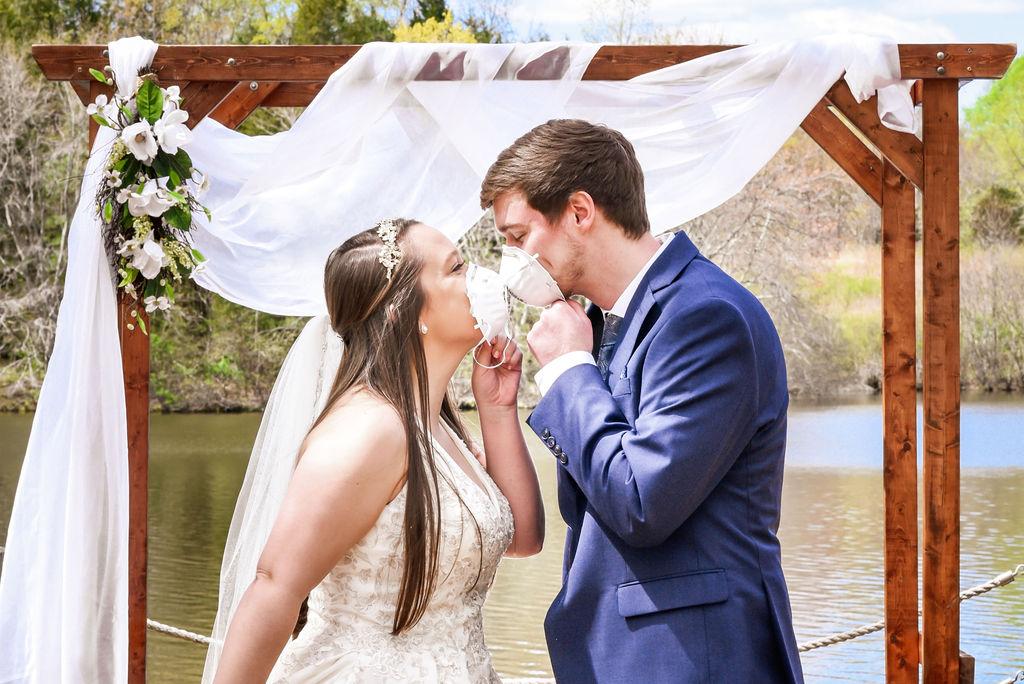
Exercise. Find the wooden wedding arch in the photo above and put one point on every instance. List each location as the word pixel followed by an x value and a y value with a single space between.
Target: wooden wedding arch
pixel 228 82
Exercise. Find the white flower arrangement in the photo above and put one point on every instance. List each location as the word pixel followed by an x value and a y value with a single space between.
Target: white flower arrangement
pixel 149 192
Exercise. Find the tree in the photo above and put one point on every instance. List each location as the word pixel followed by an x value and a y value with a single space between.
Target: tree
pixel 338 22
pixel 26 20
pixel 433 31
pixel 996 121
pixel 429 9
pixel 996 218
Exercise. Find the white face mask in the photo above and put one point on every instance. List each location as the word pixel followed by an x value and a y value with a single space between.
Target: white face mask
pixel 526 279
pixel 489 305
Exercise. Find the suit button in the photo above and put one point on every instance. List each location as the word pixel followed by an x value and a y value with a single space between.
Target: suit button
pixel 545 433
pixel 562 458
pixel 558 450
pixel 550 442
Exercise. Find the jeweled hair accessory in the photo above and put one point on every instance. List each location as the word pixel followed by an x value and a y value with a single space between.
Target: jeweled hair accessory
pixel 390 254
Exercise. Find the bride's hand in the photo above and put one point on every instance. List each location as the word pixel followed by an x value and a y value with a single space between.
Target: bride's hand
pixel 499 386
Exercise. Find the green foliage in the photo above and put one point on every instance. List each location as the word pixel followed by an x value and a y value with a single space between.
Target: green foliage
pixel 431 30
pixel 429 9
pixel 28 20
pixel 997 216
pixel 336 22
pixel 996 121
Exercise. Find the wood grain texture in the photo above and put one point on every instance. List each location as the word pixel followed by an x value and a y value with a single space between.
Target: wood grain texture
pixel 135 365
pixel 899 427
pixel 611 63
pixel 904 150
pixel 941 265
pixel 243 99
pixel 199 98
pixel 843 145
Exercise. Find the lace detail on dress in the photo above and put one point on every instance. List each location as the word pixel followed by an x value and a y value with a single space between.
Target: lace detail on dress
pixel 347 636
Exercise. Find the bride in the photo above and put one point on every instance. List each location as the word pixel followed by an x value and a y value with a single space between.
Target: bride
pixel 392 523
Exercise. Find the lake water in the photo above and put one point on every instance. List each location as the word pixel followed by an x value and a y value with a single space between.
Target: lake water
pixel 831 537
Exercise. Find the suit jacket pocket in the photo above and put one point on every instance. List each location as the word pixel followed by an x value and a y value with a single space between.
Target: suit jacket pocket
pixel 622 386
pixel 697 588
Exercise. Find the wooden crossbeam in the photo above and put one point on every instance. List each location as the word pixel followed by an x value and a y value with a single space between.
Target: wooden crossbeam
pixel 611 63
pixel 243 99
pixel 899 415
pixel 199 98
pixel 843 145
pixel 904 150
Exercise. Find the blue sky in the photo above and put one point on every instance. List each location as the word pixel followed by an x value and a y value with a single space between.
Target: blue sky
pixel 745 21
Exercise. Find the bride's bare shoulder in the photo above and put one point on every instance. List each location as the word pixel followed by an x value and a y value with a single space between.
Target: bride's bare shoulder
pixel 360 425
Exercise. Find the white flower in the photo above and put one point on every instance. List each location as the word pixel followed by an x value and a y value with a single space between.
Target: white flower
pixel 172 95
pixel 113 178
pixel 140 141
pixel 152 200
pixel 153 303
pixel 123 194
pixel 197 269
pixel 130 289
pixel 149 258
pixel 102 107
pixel 171 131
pixel 203 181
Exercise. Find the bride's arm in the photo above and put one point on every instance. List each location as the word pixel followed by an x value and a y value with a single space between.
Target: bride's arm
pixel 339 488
pixel 510 465
pixel 506 458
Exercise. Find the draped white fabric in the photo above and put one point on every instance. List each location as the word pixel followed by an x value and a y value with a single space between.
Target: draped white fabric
pixel 400 130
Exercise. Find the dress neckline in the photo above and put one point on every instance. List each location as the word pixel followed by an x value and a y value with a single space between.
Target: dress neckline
pixel 484 487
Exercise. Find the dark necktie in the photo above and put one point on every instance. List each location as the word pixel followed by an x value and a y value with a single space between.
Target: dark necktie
pixel 609 336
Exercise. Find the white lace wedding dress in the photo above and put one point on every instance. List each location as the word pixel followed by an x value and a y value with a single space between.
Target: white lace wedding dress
pixel 347 636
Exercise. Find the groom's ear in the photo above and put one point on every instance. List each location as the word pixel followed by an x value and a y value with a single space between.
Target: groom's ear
pixel 581 211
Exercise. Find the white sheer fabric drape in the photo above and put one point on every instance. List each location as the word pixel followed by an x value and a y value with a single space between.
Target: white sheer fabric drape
pixel 400 130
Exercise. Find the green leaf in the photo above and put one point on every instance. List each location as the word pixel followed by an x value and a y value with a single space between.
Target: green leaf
pixel 108 211
pixel 169 290
pixel 149 101
pixel 184 162
pixel 130 275
pixel 179 217
pixel 197 256
pixel 98 75
pixel 161 164
pixel 142 325
pixel 176 195
pixel 173 175
pixel 206 211
pixel 101 120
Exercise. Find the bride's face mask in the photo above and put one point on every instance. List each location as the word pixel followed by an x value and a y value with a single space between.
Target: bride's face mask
pixel 526 279
pixel 489 305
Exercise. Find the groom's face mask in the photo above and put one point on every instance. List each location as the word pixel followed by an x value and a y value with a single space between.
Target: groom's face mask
pixel 526 279
pixel 489 305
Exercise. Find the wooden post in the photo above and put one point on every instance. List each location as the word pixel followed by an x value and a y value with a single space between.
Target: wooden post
pixel 899 411
pixel 941 232
pixel 135 364
pixel 135 370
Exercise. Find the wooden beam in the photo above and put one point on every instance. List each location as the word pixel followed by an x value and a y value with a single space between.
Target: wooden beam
pixel 199 98
pixel 941 231
pixel 843 145
pixel 135 367
pixel 611 63
pixel 899 415
pixel 245 97
pixel 958 60
pixel 902 149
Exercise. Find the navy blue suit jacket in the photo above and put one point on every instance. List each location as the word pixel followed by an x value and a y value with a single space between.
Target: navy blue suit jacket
pixel 670 479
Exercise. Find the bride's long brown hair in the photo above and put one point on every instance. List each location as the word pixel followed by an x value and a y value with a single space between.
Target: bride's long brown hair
pixel 378 320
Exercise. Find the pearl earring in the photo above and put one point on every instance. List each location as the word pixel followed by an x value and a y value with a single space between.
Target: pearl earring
pixel 423 328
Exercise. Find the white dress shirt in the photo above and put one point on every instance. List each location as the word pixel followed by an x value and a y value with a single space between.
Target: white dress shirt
pixel 547 375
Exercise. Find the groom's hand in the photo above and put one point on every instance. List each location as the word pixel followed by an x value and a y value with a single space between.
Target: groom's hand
pixel 563 327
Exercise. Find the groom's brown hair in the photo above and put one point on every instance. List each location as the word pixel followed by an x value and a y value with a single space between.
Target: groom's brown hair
pixel 562 156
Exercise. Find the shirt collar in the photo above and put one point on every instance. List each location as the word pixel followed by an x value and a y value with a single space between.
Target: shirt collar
pixel 622 303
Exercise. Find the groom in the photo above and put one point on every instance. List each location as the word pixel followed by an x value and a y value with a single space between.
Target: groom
pixel 665 407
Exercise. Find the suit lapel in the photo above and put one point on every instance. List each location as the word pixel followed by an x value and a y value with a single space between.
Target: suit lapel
pixel 665 270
